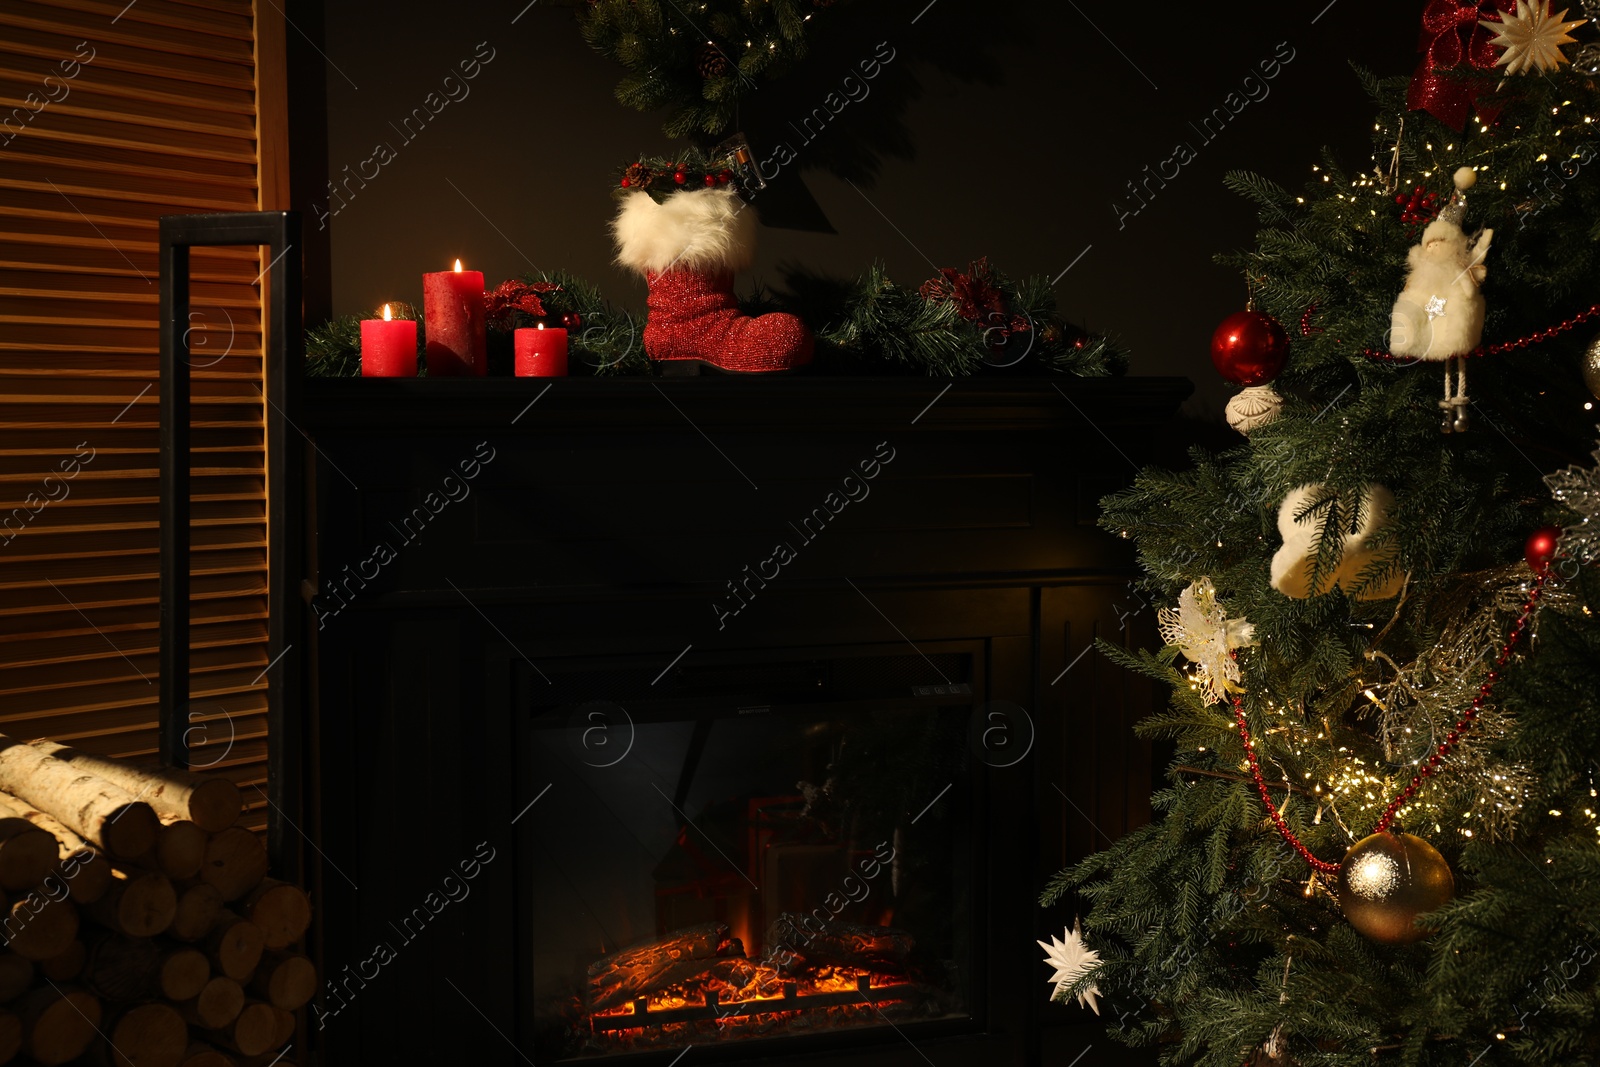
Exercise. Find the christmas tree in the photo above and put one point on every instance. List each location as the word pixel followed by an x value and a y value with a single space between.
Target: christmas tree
pixel 701 58
pixel 1361 633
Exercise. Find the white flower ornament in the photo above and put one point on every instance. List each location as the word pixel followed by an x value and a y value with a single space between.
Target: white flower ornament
pixel 1201 630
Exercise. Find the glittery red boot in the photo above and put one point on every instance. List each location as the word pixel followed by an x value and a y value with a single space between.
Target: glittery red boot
pixel 688 243
pixel 695 317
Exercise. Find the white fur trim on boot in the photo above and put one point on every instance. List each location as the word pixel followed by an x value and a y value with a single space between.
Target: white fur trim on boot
pixel 693 229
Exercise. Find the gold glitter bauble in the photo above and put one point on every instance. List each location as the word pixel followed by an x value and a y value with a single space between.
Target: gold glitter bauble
pixel 1387 880
pixel 1591 367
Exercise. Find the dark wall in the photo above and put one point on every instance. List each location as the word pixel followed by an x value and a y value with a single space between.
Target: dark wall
pixel 1000 128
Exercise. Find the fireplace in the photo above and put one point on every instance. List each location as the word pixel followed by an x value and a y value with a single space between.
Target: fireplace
pixel 768 846
pixel 599 774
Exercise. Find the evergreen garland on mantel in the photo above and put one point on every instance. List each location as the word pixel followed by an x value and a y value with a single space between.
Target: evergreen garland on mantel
pixel 953 325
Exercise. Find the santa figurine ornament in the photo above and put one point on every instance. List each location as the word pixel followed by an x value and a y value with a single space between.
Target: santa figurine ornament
pixel 1439 315
pixel 683 226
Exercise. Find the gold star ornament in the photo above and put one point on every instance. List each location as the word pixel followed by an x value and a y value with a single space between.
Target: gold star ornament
pixel 1531 38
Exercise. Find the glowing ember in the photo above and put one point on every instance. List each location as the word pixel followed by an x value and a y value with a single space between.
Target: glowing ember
pixel 696 984
pixel 766 984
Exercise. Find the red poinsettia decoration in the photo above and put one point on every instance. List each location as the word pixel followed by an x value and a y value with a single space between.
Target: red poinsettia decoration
pixel 1454 39
pixel 977 297
pixel 502 302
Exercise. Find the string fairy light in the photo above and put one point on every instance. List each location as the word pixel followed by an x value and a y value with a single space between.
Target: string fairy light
pixel 1425 770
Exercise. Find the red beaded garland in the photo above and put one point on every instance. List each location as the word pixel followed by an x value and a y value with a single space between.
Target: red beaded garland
pixel 1504 346
pixel 1434 759
pixel 1306 329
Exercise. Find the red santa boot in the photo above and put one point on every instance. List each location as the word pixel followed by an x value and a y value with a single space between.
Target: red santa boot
pixel 688 247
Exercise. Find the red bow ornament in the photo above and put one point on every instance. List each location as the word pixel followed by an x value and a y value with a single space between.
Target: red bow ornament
pixel 1451 35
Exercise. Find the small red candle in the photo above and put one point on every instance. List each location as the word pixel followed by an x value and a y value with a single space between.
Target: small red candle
pixel 388 347
pixel 452 308
pixel 541 353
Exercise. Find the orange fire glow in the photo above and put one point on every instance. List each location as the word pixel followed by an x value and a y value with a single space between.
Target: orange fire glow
pixel 768 984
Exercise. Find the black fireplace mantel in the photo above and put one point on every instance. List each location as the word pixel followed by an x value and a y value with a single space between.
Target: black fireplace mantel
pixel 751 401
pixel 629 486
pixel 464 534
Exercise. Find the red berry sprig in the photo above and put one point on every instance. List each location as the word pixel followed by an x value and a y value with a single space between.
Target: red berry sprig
pixel 665 178
pixel 1420 208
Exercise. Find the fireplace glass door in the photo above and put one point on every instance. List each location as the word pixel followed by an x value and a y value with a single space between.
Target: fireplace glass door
pixel 783 851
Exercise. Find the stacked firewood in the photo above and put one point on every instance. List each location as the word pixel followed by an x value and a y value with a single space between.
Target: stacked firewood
pixel 138 927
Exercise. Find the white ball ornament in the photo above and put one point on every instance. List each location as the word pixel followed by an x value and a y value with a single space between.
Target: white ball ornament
pixel 1253 407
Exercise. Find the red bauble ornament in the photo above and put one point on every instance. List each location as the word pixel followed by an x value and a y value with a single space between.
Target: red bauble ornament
pixel 711 179
pixel 1249 348
pixel 1540 547
pixel 680 177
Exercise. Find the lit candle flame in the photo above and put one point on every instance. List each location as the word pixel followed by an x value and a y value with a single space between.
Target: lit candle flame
pixel 541 326
pixel 458 266
pixel 386 315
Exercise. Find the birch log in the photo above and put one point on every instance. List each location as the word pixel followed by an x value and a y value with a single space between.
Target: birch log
pixel 90 806
pixel 253 1032
pixel 139 904
pixel 198 908
pixel 285 980
pixel 27 853
pixel 283 911
pixel 86 871
pixel 217 1005
pixel 146 1035
pixel 284 1031
pixel 184 973
pixel 180 849
pixel 39 927
pixel 201 1054
pixel 210 802
pixel 235 862
pixel 58 1023
pixel 234 946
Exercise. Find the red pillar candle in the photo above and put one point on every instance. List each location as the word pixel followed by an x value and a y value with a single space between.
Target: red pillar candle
pixel 541 353
pixel 388 347
pixel 452 309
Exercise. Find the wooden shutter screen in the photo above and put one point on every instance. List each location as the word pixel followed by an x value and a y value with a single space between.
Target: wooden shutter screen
pixel 111 116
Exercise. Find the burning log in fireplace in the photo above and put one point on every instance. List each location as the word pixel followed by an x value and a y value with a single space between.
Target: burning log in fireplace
pixel 829 975
pixel 681 956
pixel 802 942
